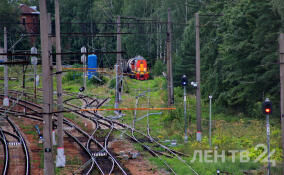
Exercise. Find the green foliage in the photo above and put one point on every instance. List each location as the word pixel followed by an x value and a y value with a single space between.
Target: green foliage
pixel 72 76
pixel 9 14
pixel 112 83
pixel 95 81
pixel 278 6
pixel 158 68
pixel 237 50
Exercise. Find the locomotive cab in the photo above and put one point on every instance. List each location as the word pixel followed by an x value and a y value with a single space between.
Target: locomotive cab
pixel 137 67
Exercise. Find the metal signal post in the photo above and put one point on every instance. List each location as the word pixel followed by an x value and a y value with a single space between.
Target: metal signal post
pixel 210 120
pixel 268 142
pixel 184 83
pixel 267 110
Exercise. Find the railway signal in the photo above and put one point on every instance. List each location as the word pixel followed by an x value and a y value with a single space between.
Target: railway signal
pixel 267 110
pixel 34 63
pixel 184 83
pixel 184 80
pixel 267 107
pixel 218 172
pixel 84 61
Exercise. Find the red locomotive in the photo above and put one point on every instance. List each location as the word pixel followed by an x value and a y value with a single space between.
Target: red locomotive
pixel 137 68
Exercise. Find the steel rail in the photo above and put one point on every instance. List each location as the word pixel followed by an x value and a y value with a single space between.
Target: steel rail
pixel 91 137
pixel 109 154
pixel 10 134
pixel 154 153
pixel 145 146
pixel 6 151
pixel 88 144
pixel 24 145
pixel 106 144
pixel 66 121
pixel 85 149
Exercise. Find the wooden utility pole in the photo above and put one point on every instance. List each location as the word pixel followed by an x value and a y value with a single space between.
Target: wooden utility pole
pixel 198 96
pixel 6 99
pixel 169 62
pixel 60 158
pixel 281 50
pixel 48 158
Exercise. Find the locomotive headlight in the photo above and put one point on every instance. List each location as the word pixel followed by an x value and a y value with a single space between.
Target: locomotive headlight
pixel 145 69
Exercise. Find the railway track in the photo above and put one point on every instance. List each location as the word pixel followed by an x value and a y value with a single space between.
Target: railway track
pixel 6 152
pixel 34 108
pixel 11 133
pixel 92 147
pixel 98 118
pixel 12 137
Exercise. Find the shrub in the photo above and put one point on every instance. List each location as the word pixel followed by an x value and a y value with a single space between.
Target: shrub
pixel 112 83
pixel 95 81
pixel 158 68
pixel 72 76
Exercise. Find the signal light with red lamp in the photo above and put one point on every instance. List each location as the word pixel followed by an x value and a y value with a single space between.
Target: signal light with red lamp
pixel 267 107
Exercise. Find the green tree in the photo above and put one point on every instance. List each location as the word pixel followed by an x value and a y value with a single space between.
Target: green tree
pixel 278 5
pixel 248 31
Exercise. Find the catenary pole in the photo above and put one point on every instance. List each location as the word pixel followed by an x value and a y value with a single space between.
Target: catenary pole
pixel 119 64
pixel 48 158
pixel 60 159
pixel 116 86
pixel 50 43
pixel 281 49
pixel 169 62
pixel 6 99
pixel 198 96
pixel 118 56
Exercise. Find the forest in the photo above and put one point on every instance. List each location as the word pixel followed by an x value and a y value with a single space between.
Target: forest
pixel 239 42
